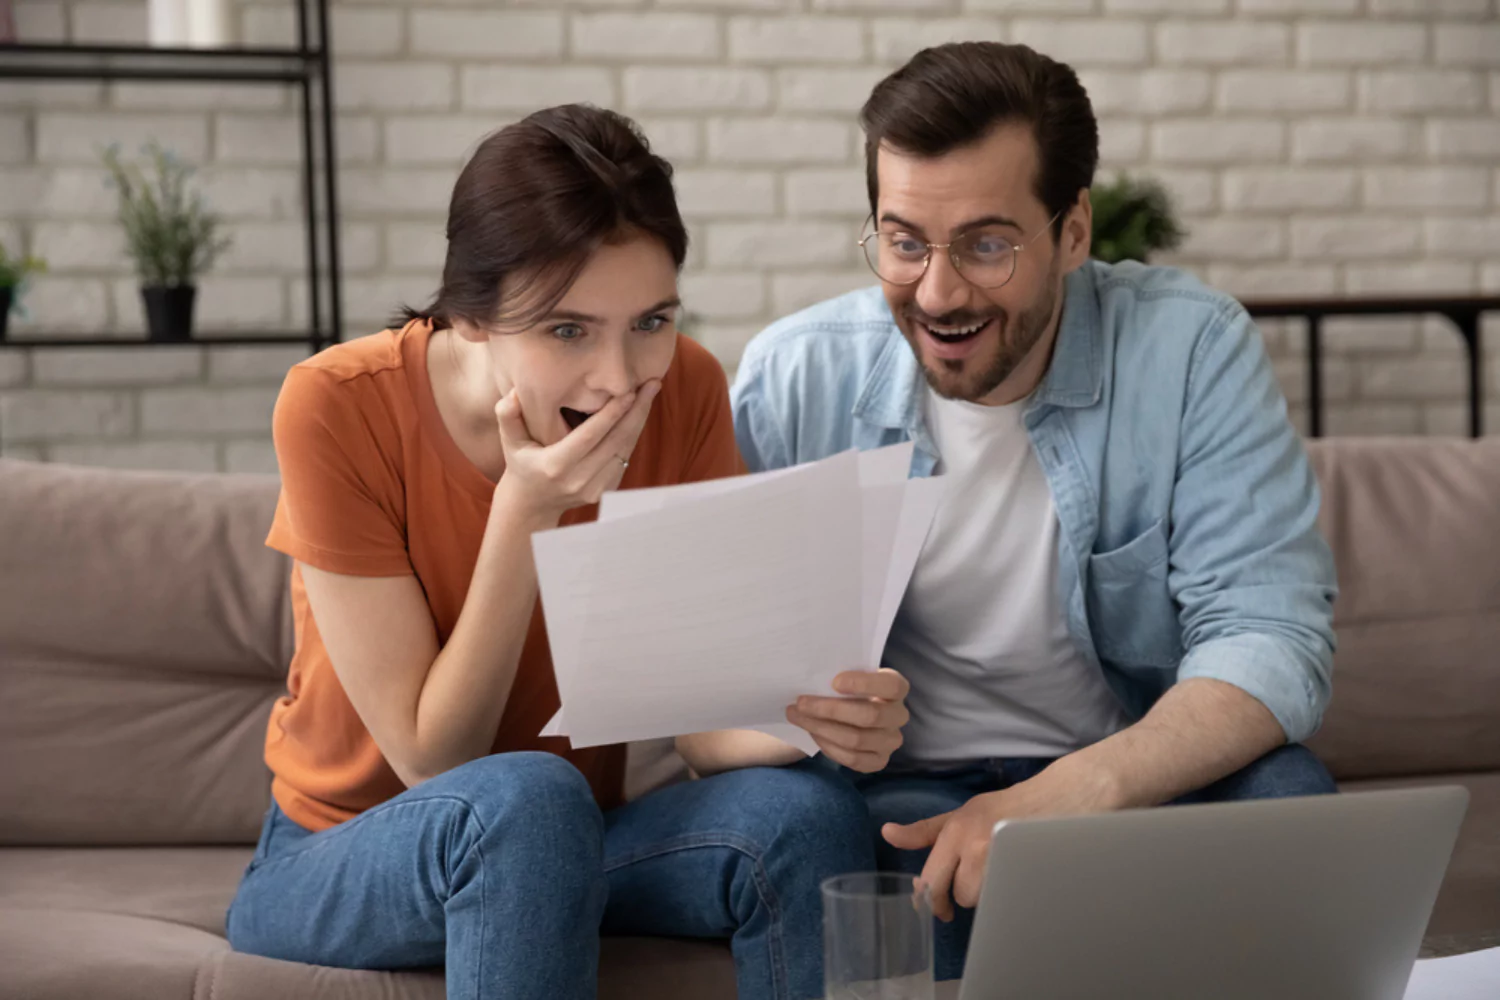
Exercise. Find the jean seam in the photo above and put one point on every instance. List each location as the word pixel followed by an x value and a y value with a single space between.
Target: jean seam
pixel 698 841
pixel 351 824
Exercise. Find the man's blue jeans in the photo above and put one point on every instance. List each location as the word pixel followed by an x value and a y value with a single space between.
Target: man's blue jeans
pixel 908 796
pixel 505 871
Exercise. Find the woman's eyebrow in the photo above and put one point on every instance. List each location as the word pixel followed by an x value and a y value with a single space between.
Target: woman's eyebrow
pixel 578 317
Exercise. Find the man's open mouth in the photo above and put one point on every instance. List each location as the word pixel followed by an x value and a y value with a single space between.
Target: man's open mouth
pixel 574 418
pixel 956 334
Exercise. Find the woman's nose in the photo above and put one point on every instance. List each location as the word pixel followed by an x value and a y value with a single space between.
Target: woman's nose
pixel 615 372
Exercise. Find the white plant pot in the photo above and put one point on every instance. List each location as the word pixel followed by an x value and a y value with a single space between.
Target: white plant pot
pixel 168 21
pixel 209 23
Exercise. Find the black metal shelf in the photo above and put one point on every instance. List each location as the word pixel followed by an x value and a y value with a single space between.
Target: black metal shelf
pixel 1462 311
pixel 131 62
pixel 199 340
pixel 308 66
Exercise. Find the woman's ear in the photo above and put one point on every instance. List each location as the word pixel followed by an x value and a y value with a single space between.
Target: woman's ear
pixel 468 331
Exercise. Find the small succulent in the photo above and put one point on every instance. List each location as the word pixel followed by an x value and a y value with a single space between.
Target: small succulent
pixel 170 234
pixel 1133 218
pixel 13 274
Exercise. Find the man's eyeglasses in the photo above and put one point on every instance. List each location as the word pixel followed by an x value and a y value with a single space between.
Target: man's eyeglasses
pixel 984 257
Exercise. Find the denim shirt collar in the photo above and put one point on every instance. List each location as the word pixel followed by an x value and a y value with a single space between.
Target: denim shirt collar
pixel 891 396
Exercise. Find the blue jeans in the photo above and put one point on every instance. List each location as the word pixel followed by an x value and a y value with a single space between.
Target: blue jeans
pixel 911 795
pixel 505 871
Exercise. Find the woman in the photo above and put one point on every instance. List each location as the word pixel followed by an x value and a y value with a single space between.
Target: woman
pixel 418 818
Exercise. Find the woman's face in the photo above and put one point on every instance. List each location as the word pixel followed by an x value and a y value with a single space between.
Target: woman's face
pixel 615 329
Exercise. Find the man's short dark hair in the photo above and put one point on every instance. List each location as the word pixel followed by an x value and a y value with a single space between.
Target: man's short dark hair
pixel 950 96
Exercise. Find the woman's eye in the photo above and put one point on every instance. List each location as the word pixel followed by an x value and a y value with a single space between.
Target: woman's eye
pixel 651 324
pixel 568 332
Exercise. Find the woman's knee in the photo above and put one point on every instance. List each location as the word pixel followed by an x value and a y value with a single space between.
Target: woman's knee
pixel 535 801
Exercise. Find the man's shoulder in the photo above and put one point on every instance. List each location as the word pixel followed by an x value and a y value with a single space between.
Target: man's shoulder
pixel 1134 295
pixel 852 328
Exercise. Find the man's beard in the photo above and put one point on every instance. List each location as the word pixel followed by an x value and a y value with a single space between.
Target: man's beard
pixel 1015 341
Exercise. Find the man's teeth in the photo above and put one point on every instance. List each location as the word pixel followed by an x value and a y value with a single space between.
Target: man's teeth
pixel 960 331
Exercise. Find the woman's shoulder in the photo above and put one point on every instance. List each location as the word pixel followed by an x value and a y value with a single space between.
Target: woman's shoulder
pixel 350 359
pixel 696 376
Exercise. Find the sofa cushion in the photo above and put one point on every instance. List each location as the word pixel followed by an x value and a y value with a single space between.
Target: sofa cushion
pixel 149 922
pixel 69 954
pixel 1470 900
pixel 146 632
pixel 1414 529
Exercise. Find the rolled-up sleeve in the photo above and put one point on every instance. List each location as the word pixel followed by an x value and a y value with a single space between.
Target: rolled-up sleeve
pixel 1250 571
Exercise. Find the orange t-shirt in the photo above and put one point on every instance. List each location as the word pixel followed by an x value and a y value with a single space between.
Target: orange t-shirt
pixel 373 485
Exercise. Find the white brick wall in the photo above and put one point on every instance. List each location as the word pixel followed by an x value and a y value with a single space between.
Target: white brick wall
pixel 1313 146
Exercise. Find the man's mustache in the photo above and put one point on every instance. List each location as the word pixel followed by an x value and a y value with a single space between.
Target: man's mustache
pixel 951 320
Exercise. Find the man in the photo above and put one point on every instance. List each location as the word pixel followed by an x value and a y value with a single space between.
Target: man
pixel 1124 600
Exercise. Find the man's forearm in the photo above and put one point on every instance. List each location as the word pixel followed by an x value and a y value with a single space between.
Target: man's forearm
pixel 1201 730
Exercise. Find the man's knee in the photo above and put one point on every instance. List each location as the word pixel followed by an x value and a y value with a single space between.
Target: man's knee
pixel 1286 772
pixel 804 815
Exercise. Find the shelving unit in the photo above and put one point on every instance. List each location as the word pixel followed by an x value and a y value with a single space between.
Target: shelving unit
pixel 308 67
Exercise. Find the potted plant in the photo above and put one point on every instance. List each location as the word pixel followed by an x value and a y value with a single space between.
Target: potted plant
pixel 13 274
pixel 1133 218
pixel 170 235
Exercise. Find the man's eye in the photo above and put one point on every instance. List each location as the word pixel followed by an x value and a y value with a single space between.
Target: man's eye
pixel 908 247
pixel 989 246
pixel 567 332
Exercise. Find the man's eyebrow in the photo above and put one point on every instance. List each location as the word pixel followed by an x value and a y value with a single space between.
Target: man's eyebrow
pixel 578 317
pixel 983 220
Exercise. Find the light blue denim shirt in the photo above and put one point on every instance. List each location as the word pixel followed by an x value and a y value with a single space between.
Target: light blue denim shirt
pixel 1189 544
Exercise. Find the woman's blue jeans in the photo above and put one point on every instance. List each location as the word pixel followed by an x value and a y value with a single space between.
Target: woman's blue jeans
pixel 505 871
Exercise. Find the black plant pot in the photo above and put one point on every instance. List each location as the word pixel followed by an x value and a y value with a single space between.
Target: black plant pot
pixel 169 311
pixel 6 298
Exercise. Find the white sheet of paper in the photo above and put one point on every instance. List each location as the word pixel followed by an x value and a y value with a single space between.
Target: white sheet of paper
pixel 896 515
pixel 688 651
pixel 1475 976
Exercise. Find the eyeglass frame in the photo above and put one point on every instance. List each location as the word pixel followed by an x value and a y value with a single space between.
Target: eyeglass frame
pixel 1016 249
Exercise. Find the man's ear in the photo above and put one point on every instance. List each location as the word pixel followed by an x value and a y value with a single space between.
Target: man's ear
pixel 1077 238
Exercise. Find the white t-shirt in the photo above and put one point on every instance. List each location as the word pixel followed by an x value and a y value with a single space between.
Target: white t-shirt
pixel 980 634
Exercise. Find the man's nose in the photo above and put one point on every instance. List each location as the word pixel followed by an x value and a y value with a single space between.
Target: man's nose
pixel 942 289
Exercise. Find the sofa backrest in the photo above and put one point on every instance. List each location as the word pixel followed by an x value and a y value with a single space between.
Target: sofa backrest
pixel 1415 528
pixel 144 633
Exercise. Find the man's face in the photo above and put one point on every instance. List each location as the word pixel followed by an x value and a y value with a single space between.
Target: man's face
pixel 969 339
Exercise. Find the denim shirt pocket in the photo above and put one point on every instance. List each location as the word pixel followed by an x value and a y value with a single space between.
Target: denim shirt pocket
pixel 1132 615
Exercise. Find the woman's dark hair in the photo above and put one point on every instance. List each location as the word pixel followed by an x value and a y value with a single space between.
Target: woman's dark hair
pixel 952 95
pixel 536 199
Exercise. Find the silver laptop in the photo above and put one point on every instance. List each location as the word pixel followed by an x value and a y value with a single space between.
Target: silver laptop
pixel 1322 898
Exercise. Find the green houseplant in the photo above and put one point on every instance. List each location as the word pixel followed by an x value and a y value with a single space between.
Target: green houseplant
pixel 13 274
pixel 1133 218
pixel 170 235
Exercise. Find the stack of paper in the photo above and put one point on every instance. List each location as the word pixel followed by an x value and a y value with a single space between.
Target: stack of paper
pixel 1475 976
pixel 715 605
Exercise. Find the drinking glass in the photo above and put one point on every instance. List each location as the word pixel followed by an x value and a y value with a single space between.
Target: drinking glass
pixel 877 938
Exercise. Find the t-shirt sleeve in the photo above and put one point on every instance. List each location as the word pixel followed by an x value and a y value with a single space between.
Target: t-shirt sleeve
pixel 713 452
pixel 341 507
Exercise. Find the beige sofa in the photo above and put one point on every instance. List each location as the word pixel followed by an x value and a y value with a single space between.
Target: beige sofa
pixel 144 633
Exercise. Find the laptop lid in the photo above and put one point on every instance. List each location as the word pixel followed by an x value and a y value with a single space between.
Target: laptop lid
pixel 1315 898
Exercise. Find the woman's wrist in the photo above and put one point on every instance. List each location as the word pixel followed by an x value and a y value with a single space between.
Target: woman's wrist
pixel 511 509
